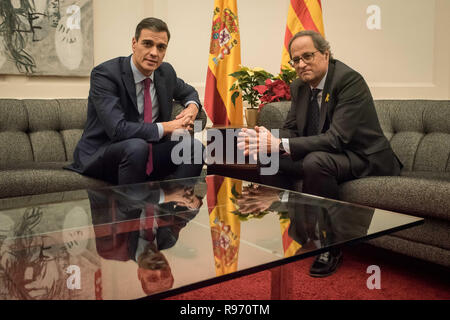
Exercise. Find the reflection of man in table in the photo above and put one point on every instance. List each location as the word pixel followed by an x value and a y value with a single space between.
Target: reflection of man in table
pixel 331 133
pixel 145 220
pixel 314 223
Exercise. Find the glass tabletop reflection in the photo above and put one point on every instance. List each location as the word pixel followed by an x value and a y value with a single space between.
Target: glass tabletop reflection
pixel 162 238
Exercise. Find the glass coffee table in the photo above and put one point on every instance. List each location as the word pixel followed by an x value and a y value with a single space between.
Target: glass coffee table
pixel 158 239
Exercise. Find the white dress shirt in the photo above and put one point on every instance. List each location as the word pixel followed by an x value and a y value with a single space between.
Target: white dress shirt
pixel 138 81
pixel 321 85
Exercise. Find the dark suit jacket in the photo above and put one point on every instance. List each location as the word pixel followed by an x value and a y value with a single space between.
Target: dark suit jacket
pixel 112 114
pixel 112 207
pixel 336 222
pixel 348 123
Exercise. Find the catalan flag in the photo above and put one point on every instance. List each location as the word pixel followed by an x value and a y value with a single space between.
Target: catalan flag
pixel 290 246
pixel 224 58
pixel 302 15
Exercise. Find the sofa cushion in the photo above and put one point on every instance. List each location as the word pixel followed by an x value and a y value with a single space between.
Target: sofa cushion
pixel 70 139
pixel 445 176
pixel 15 143
pixel 433 153
pixel 47 146
pixel 414 249
pixel 42 114
pixel 405 146
pixel 419 132
pixel 15 147
pixel 274 115
pixel 416 196
pixel 73 113
pixel 13 115
pixel 42 178
pixel 435 232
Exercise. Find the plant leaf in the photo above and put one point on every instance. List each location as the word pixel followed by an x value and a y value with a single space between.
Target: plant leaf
pixel 234 97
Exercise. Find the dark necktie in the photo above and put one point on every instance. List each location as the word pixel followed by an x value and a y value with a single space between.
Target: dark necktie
pixel 148 119
pixel 312 127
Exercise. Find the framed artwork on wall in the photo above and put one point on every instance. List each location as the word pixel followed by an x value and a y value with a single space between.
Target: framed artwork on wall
pixel 46 37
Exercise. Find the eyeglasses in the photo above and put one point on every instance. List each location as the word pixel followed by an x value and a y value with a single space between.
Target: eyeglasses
pixel 307 57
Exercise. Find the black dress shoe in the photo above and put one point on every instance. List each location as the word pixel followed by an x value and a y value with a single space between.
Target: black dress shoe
pixel 326 264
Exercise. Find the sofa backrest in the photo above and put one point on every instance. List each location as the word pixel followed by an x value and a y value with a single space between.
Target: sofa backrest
pixel 418 130
pixel 46 130
pixel 40 130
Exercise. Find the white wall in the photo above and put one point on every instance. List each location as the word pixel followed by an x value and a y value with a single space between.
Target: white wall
pixel 407 59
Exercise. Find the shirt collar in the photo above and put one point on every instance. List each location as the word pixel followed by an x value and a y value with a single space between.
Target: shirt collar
pixel 321 84
pixel 137 75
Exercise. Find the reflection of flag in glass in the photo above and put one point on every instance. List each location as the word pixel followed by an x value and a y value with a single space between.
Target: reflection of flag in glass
pixel 224 58
pixel 98 285
pixel 290 246
pixel 225 226
pixel 302 15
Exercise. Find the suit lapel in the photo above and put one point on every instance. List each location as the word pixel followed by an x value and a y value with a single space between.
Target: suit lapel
pixel 128 80
pixel 161 92
pixel 325 96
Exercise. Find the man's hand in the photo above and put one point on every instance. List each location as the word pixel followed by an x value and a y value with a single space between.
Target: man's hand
pixel 257 198
pixel 183 121
pixel 251 141
pixel 190 111
pixel 184 197
pixel 183 124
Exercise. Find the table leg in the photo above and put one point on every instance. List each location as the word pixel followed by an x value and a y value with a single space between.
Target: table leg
pixel 282 282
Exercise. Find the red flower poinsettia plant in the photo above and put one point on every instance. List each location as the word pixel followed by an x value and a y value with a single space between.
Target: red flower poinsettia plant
pixel 259 87
pixel 273 90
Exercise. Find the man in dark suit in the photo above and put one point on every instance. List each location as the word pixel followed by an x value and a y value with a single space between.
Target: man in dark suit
pixel 137 222
pixel 331 134
pixel 126 138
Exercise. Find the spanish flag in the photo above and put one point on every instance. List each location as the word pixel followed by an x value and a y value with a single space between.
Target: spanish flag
pixel 224 58
pixel 302 15
pixel 225 226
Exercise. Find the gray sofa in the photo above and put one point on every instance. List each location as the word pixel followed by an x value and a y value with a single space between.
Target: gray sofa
pixel 37 139
pixel 419 132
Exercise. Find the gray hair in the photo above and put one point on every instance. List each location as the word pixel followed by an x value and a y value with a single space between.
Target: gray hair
pixel 319 42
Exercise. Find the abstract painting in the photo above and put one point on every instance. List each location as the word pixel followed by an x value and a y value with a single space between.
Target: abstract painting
pixel 46 37
pixel 48 252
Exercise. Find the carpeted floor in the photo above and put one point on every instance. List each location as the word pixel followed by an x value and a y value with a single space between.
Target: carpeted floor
pixel 402 278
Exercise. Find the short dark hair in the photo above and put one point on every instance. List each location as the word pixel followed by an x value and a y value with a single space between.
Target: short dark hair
pixel 319 42
pixel 153 24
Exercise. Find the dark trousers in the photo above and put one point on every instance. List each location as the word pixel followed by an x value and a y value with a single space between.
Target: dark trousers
pixel 320 173
pixel 125 162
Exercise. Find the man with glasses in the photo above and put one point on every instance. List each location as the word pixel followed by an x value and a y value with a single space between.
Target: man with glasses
pixel 331 133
